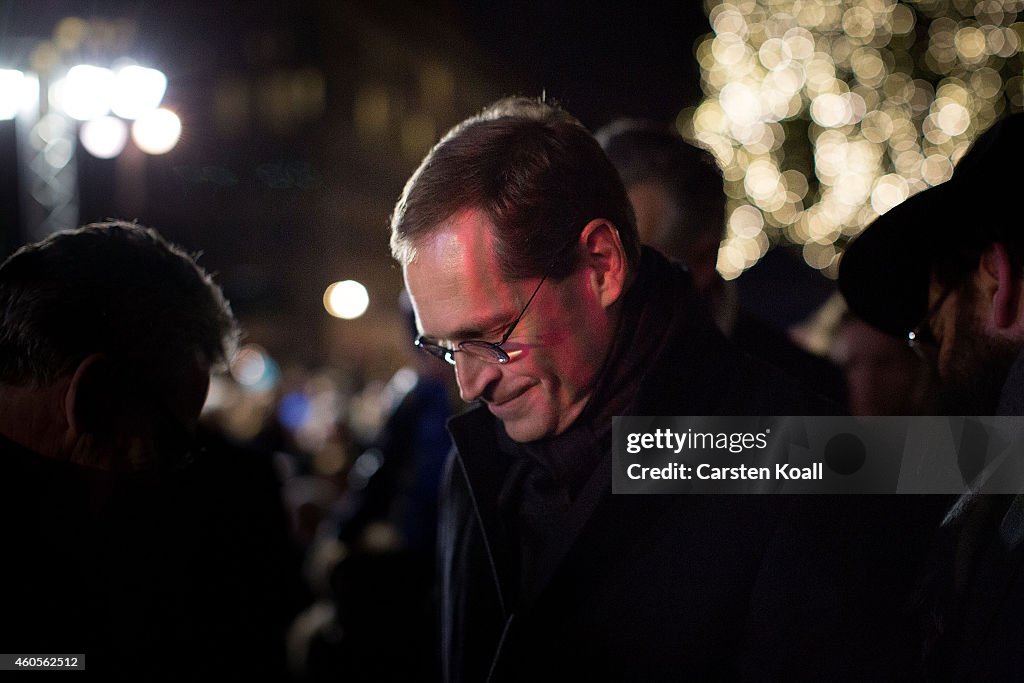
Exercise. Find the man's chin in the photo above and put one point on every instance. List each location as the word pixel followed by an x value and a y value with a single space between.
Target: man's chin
pixel 524 430
pixel 525 426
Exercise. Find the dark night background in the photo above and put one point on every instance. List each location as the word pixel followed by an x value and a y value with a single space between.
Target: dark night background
pixel 285 191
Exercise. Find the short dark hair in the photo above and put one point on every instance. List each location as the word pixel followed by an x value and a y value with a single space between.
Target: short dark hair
pixel 643 150
pixel 538 175
pixel 115 288
pixel 953 268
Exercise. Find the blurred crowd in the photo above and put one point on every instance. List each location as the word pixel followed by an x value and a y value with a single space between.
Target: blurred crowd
pixel 360 461
pixel 359 464
pixel 296 517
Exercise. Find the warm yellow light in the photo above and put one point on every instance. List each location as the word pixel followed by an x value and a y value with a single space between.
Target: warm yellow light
pixel 800 42
pixel 868 66
pixel 740 103
pixel 903 19
pixel 819 256
pixel 729 49
pixel 936 169
pixel 762 179
pixel 970 44
pixel 347 299
pixel 889 191
pixel 953 119
pixel 157 132
pixel 726 18
pixel 859 23
pixel 746 221
pixel 888 117
pixel 775 54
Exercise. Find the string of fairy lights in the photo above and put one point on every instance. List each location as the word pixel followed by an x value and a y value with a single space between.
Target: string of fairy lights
pixel 824 114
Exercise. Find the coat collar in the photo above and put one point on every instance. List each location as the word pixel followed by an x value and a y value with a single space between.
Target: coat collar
pixel 687 369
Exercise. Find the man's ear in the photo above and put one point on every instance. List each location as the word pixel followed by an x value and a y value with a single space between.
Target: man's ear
pixel 605 258
pixel 92 395
pixel 1001 284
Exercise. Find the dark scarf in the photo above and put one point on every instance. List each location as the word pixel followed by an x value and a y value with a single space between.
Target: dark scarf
pixel 547 476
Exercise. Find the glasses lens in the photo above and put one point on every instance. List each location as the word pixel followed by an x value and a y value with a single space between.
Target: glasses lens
pixel 923 343
pixel 436 350
pixel 492 353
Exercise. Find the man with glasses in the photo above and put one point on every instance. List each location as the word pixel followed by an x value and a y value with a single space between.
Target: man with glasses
pixel 945 271
pixel 521 256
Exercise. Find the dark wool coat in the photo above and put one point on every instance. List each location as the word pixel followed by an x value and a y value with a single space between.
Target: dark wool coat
pixel 974 611
pixel 665 587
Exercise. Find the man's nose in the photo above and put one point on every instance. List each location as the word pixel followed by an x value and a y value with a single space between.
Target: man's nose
pixel 474 376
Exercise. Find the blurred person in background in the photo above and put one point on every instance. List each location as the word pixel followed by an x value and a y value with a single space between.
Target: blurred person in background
pixel 396 479
pixel 883 375
pixel 944 270
pixel 134 538
pixel 677 194
pixel 373 559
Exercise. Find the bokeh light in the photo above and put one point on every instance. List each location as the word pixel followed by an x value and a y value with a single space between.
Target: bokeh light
pixel 138 91
pixel 824 114
pixel 85 92
pixel 254 369
pixel 157 132
pixel 12 91
pixel 347 299
pixel 104 137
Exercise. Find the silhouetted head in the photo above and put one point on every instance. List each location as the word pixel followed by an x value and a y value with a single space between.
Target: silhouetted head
pixel 945 270
pixel 676 191
pixel 109 334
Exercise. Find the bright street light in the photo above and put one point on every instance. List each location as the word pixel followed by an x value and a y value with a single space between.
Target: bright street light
pixel 85 92
pixel 15 89
pixel 90 93
pixel 157 132
pixel 347 299
pixel 138 91
pixel 104 137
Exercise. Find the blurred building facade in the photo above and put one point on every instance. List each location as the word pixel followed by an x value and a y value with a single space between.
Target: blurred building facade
pixel 301 122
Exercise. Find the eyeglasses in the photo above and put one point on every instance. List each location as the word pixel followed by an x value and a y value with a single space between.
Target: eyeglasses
pixel 921 339
pixel 490 352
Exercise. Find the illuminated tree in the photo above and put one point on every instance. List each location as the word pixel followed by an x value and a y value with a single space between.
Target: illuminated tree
pixel 826 113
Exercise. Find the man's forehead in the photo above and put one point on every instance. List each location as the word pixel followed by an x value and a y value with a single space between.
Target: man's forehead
pixel 462 247
pixel 455 281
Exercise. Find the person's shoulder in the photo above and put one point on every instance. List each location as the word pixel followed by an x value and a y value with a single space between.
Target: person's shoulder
pixel 775 348
pixel 773 391
pixel 701 372
pixel 30 479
